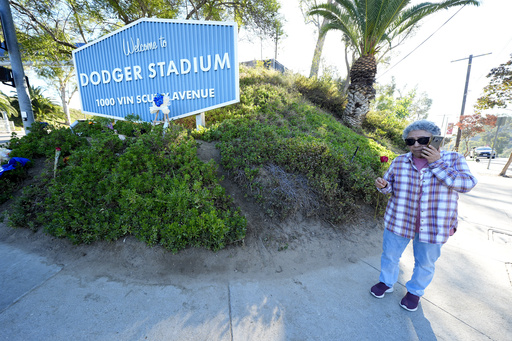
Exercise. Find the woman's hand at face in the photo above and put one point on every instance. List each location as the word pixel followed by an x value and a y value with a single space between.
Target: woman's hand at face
pixel 431 154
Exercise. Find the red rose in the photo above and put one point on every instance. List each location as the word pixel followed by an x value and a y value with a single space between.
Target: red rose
pixel 384 159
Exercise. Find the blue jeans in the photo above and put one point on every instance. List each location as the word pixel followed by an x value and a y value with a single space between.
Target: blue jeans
pixel 425 256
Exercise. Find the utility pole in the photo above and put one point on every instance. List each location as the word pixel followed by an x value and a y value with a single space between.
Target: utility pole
pixel 470 60
pixel 17 66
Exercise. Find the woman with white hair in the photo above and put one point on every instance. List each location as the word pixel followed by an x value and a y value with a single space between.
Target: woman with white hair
pixel 424 186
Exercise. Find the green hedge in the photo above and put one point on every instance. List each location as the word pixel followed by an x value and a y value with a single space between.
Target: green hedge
pixel 152 186
pixel 287 153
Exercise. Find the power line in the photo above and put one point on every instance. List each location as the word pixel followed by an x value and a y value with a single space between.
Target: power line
pixel 401 60
pixel 484 74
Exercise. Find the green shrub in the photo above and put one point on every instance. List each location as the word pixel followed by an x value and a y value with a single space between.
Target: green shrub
pixel 12 181
pixel 324 92
pixel 42 141
pixel 89 128
pixel 273 127
pixel 386 129
pixel 288 154
pixel 153 187
pixel 132 126
pixel 250 76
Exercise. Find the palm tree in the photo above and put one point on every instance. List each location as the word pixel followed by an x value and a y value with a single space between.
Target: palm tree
pixel 8 111
pixel 6 106
pixel 370 26
pixel 43 108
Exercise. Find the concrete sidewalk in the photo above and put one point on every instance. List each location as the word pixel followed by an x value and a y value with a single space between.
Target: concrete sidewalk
pixel 469 299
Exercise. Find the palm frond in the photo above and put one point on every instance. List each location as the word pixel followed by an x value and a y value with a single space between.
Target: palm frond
pixel 371 24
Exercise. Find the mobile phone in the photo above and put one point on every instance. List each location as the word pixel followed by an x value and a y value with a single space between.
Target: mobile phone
pixel 436 141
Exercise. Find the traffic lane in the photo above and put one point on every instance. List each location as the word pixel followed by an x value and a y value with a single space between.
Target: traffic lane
pixel 490 202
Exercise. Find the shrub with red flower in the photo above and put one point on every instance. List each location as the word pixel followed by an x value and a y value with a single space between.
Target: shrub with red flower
pixel 383 159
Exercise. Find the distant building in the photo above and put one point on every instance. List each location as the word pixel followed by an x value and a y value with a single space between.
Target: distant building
pixel 267 63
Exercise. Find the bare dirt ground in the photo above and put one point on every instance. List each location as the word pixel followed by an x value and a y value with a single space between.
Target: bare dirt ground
pixel 286 247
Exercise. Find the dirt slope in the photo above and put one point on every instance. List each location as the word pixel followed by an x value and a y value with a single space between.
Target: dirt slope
pixel 271 247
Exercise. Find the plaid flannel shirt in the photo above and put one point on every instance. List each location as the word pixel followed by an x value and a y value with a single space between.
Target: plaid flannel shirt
pixel 434 191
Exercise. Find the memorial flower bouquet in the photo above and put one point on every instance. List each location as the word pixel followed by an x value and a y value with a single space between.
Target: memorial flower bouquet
pixel 160 103
pixel 383 159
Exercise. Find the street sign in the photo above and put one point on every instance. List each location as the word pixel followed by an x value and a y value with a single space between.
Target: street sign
pixel 194 63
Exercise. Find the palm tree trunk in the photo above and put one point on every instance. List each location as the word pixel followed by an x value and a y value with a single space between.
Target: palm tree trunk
pixel 358 105
pixel 360 91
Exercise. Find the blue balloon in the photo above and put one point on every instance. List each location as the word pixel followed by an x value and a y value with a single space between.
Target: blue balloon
pixel 159 100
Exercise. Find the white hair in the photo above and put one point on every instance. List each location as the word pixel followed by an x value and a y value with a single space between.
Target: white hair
pixel 429 126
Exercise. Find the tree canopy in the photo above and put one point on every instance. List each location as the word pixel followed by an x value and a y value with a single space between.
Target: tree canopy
pixel 498 94
pixel 401 103
pixel 503 138
pixel 61 24
pixel 371 27
pixel 49 30
pixel 471 125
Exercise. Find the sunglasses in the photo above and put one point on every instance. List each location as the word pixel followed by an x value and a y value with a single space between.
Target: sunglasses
pixel 421 140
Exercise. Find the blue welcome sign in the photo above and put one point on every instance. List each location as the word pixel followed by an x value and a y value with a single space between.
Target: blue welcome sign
pixel 194 63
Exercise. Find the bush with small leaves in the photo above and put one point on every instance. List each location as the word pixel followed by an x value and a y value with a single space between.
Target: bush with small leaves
pixel 273 125
pixel 153 187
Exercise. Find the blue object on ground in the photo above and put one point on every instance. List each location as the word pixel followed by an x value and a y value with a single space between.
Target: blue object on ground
pixel 12 164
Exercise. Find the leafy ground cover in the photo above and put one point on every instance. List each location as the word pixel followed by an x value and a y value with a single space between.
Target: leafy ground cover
pixel 319 166
pixel 151 186
pixel 11 181
pixel 287 153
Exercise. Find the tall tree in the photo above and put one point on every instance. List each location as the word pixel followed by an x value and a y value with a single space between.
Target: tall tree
pixel 470 125
pixel 498 94
pixel 50 30
pixel 275 32
pixel 63 79
pixel 320 23
pixel 372 26
pixel 402 104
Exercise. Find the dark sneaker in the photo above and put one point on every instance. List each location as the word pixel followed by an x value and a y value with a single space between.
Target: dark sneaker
pixel 380 289
pixel 410 302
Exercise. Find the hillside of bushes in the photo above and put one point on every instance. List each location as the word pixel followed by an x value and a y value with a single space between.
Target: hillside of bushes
pixel 284 144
